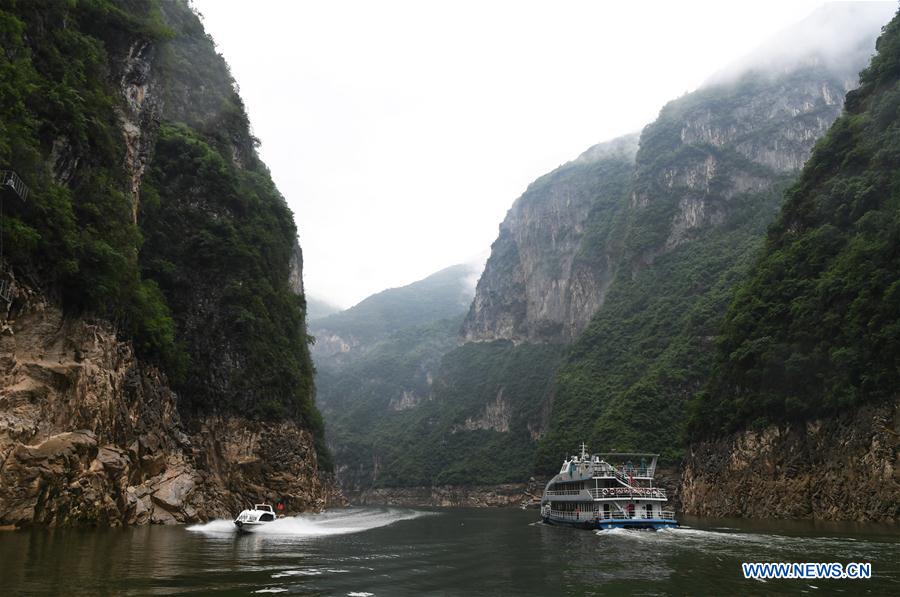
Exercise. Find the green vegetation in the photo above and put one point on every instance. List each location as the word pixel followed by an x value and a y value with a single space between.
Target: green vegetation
pixel 408 408
pixel 815 330
pixel 225 233
pixel 429 442
pixel 57 110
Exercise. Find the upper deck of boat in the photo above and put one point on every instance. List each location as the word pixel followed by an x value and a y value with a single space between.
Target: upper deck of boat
pixel 625 466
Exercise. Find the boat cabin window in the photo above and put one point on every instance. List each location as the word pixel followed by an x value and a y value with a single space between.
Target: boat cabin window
pixel 267 517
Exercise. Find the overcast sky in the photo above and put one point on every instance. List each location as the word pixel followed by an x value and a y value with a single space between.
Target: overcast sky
pixel 401 132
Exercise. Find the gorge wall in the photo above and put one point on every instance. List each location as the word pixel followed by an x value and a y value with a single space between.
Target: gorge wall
pixel 799 415
pixel 153 356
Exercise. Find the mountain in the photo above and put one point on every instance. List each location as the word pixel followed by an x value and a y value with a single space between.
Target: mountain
pixel 547 272
pixel 154 362
pixel 707 182
pixel 805 376
pixel 347 334
pixel 379 359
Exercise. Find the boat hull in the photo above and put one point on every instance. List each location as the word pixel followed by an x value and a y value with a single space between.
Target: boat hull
pixel 650 524
pixel 248 527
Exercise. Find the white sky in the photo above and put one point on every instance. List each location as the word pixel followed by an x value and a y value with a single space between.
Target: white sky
pixel 401 132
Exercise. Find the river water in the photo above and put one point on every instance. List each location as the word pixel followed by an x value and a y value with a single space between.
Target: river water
pixel 365 552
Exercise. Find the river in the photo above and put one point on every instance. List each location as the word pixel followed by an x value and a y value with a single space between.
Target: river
pixel 365 552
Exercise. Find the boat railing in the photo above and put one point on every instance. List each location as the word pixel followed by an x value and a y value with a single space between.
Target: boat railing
pixel 587 515
pixel 565 492
pixel 628 492
pixel 604 469
pixel 618 515
pixel 660 514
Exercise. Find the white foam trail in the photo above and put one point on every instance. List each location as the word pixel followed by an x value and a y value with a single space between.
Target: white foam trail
pixel 334 522
pixel 737 542
pixel 214 526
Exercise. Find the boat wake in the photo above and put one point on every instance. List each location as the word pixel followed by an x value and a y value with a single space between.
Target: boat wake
pixel 333 522
pixel 731 542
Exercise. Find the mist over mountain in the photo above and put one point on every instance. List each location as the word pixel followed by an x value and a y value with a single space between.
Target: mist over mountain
pixel 350 332
pixel 611 275
pixel 837 36
pixel 317 308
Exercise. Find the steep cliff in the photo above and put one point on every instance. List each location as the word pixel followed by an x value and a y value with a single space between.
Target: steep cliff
pixel 805 379
pixel 539 283
pixel 154 363
pixel 707 181
pixel 839 467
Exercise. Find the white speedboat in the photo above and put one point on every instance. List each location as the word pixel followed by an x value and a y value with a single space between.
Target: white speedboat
pixel 607 491
pixel 250 520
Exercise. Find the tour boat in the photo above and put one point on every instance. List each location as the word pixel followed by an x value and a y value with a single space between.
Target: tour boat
pixel 605 491
pixel 250 520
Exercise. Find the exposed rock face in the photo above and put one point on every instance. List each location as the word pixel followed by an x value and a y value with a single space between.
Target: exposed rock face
pixel 845 468
pixel 89 435
pixel 533 288
pixel 560 246
pixel 295 279
pixel 140 113
pixel 408 399
pixel 496 416
pixel 727 141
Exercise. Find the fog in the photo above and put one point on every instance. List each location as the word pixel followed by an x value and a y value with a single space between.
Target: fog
pixel 401 132
pixel 838 36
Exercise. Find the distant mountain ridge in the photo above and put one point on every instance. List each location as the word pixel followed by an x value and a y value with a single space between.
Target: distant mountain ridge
pixel 349 332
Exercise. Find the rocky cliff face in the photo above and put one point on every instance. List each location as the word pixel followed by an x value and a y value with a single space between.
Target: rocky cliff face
pixel 721 143
pixel 535 287
pixel 90 435
pixel 836 468
pixel 560 246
